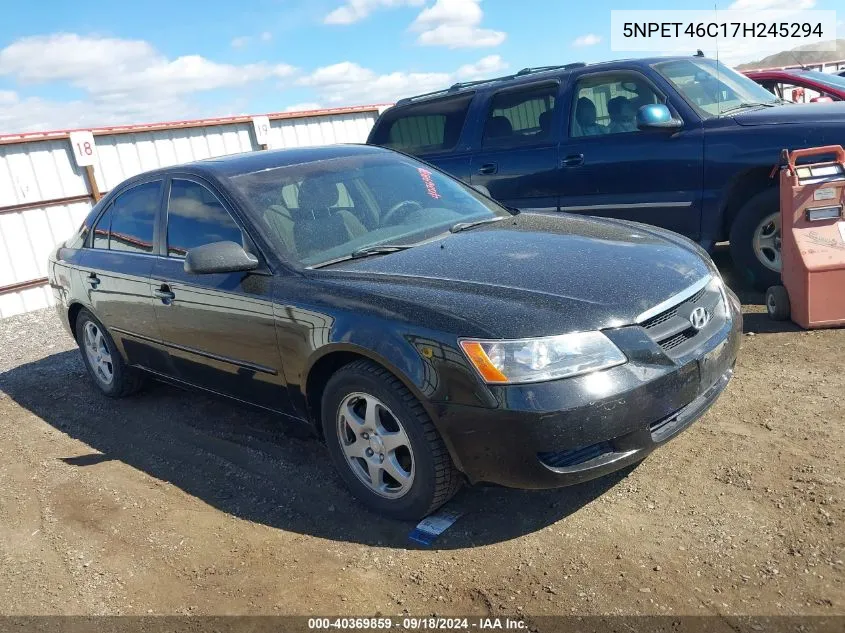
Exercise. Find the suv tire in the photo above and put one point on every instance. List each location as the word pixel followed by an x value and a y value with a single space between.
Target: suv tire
pixel 755 236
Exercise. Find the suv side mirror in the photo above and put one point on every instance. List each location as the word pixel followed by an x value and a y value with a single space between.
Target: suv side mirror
pixel 219 257
pixel 656 116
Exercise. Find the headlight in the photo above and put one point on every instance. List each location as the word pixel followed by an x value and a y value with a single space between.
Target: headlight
pixel 538 359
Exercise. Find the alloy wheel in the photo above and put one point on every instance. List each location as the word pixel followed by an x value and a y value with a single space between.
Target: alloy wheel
pixel 376 445
pixel 97 351
pixel 767 242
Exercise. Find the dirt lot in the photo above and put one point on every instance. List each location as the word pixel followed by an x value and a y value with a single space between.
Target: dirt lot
pixel 174 502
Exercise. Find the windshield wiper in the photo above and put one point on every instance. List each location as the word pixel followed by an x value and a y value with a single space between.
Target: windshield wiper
pixel 463 226
pixel 367 251
pixel 742 106
pixel 378 249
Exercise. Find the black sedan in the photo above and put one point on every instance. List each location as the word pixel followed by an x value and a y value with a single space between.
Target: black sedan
pixel 430 335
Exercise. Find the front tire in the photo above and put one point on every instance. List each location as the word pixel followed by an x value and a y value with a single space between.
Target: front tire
pixel 102 359
pixel 755 240
pixel 384 445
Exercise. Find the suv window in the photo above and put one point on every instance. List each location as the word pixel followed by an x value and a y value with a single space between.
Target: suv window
pixel 196 217
pixel 520 116
pixel 128 223
pixel 423 128
pixel 608 103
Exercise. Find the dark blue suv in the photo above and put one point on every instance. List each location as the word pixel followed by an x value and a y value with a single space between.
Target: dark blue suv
pixel 684 143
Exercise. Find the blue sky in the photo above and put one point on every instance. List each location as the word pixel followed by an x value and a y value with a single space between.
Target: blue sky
pixel 100 62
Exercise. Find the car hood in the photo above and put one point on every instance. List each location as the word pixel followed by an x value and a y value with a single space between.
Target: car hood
pixel 532 275
pixel 807 113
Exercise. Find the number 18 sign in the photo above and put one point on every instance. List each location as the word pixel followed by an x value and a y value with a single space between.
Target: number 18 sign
pixel 84 150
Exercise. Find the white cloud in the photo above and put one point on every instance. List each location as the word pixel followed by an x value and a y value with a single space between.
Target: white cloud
pixel 240 42
pixel 303 107
pixel 349 83
pixel 590 39
pixel 356 10
pixel 455 24
pixel 124 81
pixel 266 36
pixel 8 96
pixel 483 68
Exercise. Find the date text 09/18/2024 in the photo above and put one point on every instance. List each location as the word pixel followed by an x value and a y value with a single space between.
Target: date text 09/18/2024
pixel 422 624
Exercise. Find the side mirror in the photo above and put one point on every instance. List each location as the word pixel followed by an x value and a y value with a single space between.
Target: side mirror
pixel 482 189
pixel 656 116
pixel 219 257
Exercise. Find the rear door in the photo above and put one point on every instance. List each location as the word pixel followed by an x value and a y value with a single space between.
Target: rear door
pixel 517 161
pixel 610 168
pixel 116 267
pixel 434 131
pixel 219 328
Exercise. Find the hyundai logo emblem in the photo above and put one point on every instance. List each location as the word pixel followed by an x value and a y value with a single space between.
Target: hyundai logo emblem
pixel 699 318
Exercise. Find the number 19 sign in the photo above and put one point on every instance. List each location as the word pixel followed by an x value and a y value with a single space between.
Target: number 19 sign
pixel 84 150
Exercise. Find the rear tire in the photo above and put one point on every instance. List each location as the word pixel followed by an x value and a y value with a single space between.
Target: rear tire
pixel 374 429
pixel 777 303
pixel 102 359
pixel 755 240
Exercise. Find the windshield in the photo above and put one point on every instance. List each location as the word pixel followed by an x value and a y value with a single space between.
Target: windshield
pixel 835 81
pixel 326 210
pixel 712 88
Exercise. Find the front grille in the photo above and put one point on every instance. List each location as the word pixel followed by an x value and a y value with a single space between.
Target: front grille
pixel 575 456
pixel 672 328
pixel 665 316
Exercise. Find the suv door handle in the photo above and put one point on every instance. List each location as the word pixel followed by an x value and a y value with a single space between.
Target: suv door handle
pixel 573 160
pixel 93 280
pixel 488 168
pixel 165 294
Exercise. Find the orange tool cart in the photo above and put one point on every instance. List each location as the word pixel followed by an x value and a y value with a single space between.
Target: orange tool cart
pixel 812 198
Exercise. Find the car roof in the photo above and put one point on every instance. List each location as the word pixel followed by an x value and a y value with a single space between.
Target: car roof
pixel 530 75
pixel 247 162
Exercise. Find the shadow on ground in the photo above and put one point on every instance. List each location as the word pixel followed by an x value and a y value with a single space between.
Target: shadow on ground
pixel 755 318
pixel 252 465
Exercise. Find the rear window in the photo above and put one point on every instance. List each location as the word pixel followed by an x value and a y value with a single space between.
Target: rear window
pixel 423 128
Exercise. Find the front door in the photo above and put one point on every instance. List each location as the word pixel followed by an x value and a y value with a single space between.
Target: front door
pixel 116 265
pixel 608 167
pixel 218 328
pixel 517 162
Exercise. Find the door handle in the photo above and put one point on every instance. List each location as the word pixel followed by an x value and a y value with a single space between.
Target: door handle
pixel 573 160
pixel 165 294
pixel 93 280
pixel 488 168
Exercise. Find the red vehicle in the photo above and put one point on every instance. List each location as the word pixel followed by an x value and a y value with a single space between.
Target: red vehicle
pixel 801 86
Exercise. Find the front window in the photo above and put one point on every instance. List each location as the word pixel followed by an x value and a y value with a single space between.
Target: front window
pixel 322 211
pixel 608 104
pixel 712 88
pixel 196 217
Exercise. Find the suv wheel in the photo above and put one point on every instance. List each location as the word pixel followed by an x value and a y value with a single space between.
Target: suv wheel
pixel 384 445
pixel 102 359
pixel 756 240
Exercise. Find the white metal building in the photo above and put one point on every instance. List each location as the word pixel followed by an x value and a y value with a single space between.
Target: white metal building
pixel 44 194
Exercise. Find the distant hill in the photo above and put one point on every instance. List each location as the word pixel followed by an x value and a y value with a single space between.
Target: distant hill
pixel 796 56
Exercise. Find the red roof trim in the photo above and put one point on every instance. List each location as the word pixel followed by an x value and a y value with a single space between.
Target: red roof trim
pixel 24 137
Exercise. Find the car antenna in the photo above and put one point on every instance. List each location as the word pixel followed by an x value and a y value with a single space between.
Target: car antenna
pixel 699 53
pixel 795 57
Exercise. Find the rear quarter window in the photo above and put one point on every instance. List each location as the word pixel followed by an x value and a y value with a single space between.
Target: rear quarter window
pixel 423 128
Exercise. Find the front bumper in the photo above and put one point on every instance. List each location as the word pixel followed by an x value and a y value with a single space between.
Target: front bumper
pixel 564 432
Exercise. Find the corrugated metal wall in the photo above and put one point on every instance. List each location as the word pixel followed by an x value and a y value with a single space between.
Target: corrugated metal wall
pixel 44 196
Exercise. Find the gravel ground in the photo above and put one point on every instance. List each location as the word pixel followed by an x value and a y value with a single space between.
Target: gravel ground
pixel 175 502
